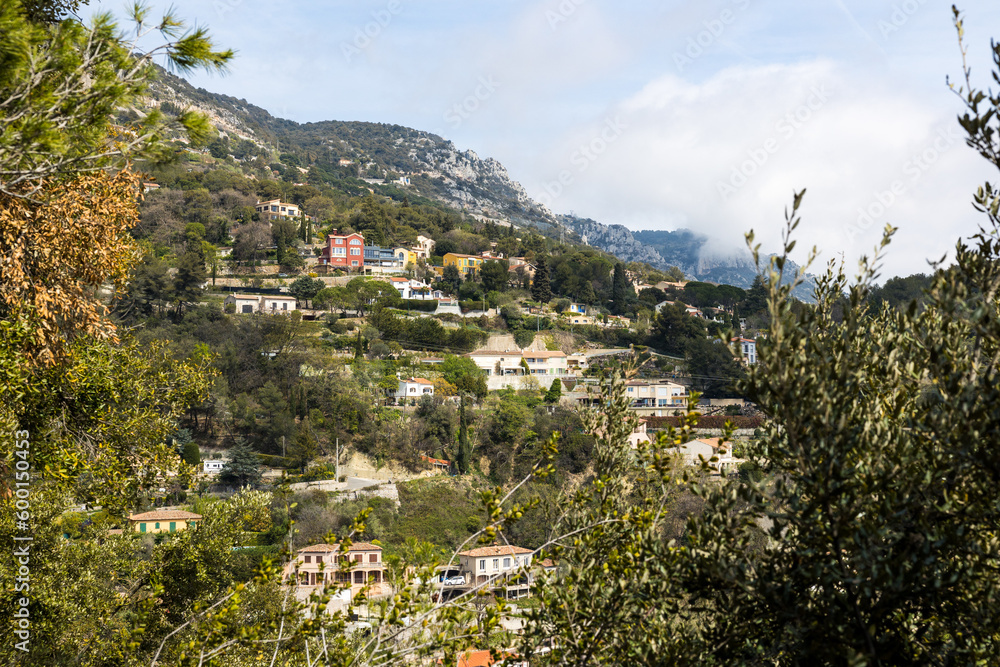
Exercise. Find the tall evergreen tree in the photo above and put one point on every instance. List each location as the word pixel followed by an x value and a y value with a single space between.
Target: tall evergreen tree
pixel 464 451
pixel 555 392
pixel 620 289
pixel 190 277
pixel 243 468
pixel 541 290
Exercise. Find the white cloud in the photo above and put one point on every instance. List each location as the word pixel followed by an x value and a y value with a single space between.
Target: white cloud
pixel 725 155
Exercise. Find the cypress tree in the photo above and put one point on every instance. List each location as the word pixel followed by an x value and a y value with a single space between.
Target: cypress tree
pixel 619 290
pixel 541 291
pixel 464 452
pixel 555 392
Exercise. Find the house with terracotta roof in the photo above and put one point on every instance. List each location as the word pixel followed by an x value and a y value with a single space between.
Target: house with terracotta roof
pixel 414 388
pixel 505 568
pixel 319 564
pixel 484 658
pixel 506 368
pixel 163 521
pixel 344 251
pixel 275 208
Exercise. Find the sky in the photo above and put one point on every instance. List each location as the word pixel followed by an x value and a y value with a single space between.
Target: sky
pixel 698 114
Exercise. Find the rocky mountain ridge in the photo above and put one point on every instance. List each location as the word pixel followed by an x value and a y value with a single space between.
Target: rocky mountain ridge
pixel 437 169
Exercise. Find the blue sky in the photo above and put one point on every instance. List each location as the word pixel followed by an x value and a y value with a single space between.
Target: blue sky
pixel 655 115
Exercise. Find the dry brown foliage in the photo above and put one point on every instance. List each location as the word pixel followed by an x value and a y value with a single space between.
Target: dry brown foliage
pixel 56 254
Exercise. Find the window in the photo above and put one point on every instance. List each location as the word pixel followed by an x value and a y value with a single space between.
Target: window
pixel 157 525
pixel 284 306
pixel 631 390
pixel 274 209
pixel 517 561
pixel 354 262
pixel 142 528
pixel 496 563
pixel 319 559
pixel 339 241
pixel 355 242
pixel 482 565
pixel 355 251
pixel 307 559
pixel 358 558
pixel 506 562
pixel 372 558
pixel 173 526
pixel 282 208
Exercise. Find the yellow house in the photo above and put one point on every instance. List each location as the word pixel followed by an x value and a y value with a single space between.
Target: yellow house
pixel 405 257
pixel 464 263
pixel 163 521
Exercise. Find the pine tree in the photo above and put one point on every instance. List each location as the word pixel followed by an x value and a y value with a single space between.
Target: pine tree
pixel 243 468
pixel 541 291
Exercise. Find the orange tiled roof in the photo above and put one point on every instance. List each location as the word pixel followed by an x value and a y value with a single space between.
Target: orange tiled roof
pixel 495 551
pixel 356 546
pixel 165 515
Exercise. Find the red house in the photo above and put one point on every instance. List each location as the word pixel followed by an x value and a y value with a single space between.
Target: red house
pixel 344 251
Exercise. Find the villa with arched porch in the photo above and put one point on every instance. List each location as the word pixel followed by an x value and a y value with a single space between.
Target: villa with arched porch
pixel 320 564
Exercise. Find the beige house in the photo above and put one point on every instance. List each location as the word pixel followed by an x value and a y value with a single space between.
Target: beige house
pixel 278 304
pixel 275 208
pixel 651 398
pixel 708 447
pixel 424 247
pixel 638 435
pixel 163 521
pixel 319 565
pixel 505 567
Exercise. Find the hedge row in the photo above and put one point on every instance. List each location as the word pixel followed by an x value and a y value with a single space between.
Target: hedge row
pixel 275 461
pixel 426 305
pixel 711 421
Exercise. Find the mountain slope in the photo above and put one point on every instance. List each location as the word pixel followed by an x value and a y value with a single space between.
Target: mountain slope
pixel 349 151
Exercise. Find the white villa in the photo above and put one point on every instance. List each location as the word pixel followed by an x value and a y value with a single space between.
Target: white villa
pixel 414 388
pixel 748 347
pixel 509 369
pixel 261 303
